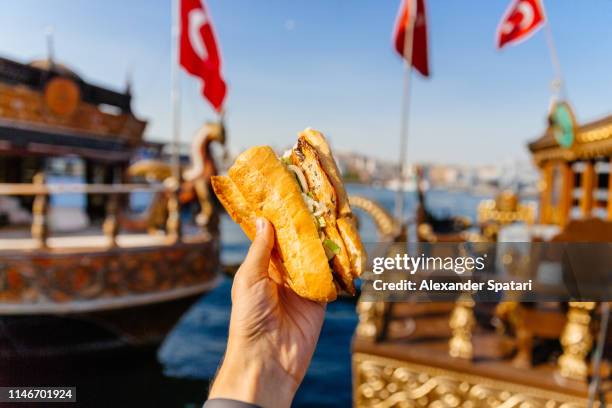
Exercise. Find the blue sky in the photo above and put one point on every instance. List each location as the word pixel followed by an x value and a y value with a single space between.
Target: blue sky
pixel 330 64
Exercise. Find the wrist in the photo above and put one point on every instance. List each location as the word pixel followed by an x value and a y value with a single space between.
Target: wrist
pixel 253 379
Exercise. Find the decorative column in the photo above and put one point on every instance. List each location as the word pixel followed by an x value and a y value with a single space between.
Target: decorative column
pixel 462 322
pixel 588 184
pixel 371 319
pixel 40 229
pixel 110 227
pixel 567 196
pixel 545 195
pixel 576 340
pixel 513 314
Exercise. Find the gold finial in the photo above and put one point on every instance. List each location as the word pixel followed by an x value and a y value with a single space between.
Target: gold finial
pixel 462 322
pixel 576 341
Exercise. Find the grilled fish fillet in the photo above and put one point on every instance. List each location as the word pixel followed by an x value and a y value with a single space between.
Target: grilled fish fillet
pixel 344 215
pixel 305 157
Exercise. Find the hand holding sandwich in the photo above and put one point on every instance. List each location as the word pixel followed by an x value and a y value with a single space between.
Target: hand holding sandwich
pixel 318 252
pixel 304 256
pixel 273 332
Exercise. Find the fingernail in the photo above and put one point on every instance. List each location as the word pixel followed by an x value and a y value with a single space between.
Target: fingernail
pixel 260 224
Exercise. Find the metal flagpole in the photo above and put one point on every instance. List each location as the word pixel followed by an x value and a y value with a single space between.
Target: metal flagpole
pixel 50 49
pixel 175 92
pixel 557 85
pixel 408 45
pixel 595 385
pixel 173 222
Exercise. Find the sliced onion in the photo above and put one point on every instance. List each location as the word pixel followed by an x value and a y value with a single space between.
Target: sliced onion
pixel 320 210
pixel 300 176
pixel 316 208
pixel 309 202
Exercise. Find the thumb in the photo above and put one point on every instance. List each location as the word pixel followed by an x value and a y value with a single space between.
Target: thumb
pixel 255 265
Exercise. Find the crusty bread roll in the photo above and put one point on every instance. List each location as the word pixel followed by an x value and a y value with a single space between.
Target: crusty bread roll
pixel 243 214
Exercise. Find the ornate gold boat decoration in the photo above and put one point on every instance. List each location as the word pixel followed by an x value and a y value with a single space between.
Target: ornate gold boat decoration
pixel 509 354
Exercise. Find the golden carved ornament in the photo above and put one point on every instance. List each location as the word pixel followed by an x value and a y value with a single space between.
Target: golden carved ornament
pixel 371 319
pixel 505 209
pixel 507 200
pixel 576 341
pixel 462 322
pixel 62 96
pixel 595 135
pixel 389 383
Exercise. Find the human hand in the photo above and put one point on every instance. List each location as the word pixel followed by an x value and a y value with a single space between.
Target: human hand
pixel 273 333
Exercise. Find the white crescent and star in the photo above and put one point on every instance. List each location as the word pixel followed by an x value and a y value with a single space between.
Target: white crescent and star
pixel 526 10
pixel 527 16
pixel 196 19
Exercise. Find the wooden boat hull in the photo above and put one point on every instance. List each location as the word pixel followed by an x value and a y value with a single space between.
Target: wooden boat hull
pixel 94 332
pixel 54 301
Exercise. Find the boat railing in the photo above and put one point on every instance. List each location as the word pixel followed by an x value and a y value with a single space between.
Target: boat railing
pixel 110 226
pixel 25 189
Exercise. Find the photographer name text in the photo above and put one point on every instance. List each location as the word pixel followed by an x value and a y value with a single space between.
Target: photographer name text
pixel 467 286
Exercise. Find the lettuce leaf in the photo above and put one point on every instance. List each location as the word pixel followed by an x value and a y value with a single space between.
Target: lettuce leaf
pixel 331 245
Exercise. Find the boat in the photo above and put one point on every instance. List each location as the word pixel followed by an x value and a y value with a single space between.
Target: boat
pixel 432 228
pixel 508 353
pixel 113 279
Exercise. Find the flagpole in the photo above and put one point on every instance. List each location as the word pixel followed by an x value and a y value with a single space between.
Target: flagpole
pixel 408 46
pixel 175 92
pixel 50 48
pixel 173 222
pixel 558 86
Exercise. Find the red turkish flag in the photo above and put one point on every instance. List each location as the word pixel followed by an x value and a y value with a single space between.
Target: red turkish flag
pixel 199 54
pixel 521 20
pixel 419 34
